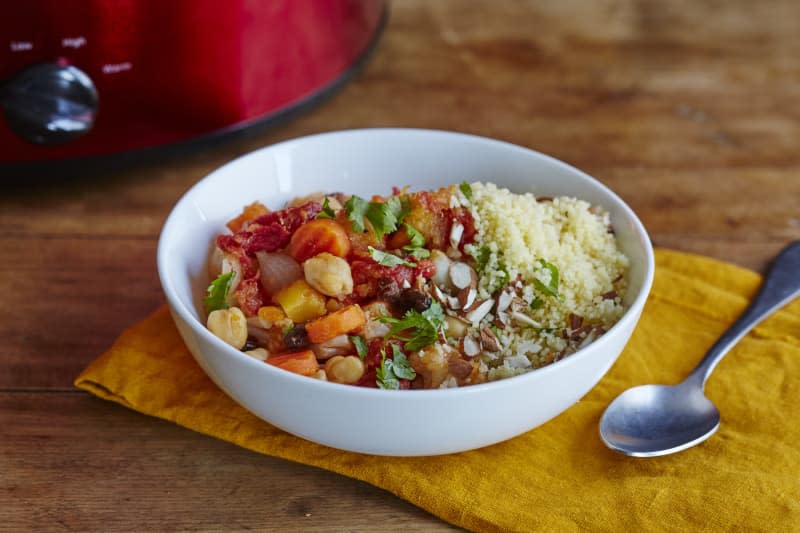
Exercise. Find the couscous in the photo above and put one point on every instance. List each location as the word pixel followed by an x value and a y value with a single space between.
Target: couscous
pixel 434 289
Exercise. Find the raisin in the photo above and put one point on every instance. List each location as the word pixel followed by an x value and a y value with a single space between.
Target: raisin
pixel 296 338
pixel 414 299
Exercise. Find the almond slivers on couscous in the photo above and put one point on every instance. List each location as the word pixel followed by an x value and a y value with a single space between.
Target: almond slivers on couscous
pixel 431 289
pixel 523 235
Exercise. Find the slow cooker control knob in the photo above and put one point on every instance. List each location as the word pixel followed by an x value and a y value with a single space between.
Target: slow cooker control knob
pixel 50 103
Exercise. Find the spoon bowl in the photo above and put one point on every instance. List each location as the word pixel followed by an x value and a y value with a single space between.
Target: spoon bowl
pixel 638 424
pixel 652 420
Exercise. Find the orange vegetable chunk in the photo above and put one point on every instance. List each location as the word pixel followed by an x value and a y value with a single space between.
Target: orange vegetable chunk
pixel 303 363
pixel 317 236
pixel 301 302
pixel 345 320
pixel 250 212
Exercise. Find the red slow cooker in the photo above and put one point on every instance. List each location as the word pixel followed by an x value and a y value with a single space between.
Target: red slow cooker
pixel 90 80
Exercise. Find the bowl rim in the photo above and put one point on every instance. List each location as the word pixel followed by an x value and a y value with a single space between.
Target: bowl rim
pixel 178 308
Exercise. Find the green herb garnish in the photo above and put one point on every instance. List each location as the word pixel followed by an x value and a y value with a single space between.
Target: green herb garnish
pixel 392 370
pixel 327 210
pixel 387 259
pixel 466 189
pixel 360 345
pixel 400 365
pixel 356 209
pixel 217 292
pixel 482 256
pixel 416 329
pixel 384 217
pixel 416 248
pixel 536 303
pixel 551 289
pixel 384 374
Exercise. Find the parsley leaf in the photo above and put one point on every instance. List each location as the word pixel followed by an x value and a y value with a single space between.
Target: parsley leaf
pixel 217 292
pixel 416 248
pixel 384 217
pixel 550 289
pixel 481 256
pixel 356 208
pixel 384 374
pixel 387 259
pixel 392 370
pixel 360 345
pixel 466 189
pixel 400 365
pixel 327 210
pixel 423 327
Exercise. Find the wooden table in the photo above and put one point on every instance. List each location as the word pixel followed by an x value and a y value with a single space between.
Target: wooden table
pixel 689 110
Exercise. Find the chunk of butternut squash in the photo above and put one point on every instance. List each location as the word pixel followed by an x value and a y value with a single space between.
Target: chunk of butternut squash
pixel 301 302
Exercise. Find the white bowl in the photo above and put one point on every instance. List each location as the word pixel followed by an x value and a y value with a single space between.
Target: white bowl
pixel 373 421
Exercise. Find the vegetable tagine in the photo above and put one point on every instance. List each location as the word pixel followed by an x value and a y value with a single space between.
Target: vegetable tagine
pixel 432 289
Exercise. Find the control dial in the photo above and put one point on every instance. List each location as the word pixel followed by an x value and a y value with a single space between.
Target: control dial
pixel 50 103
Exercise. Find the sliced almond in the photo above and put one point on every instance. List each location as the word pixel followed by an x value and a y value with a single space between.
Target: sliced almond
pixel 462 275
pixel 456 232
pixel 470 346
pixel 588 339
pixel 466 296
pixel 477 314
pixel 439 295
pixel 500 320
pixel 489 340
pixel 524 319
pixel 453 302
pixel 504 300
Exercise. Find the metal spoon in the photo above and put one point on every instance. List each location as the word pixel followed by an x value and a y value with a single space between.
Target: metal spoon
pixel 652 420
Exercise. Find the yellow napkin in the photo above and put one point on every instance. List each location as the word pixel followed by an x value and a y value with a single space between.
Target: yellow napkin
pixel 558 477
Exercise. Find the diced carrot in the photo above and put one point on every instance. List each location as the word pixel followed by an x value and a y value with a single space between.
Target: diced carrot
pixel 303 363
pixel 250 212
pixel 345 320
pixel 317 236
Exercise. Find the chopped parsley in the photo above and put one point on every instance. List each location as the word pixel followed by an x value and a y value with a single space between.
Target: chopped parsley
pixel 360 345
pixel 356 209
pixel 466 190
pixel 551 289
pixel 416 248
pixel 482 256
pixel 217 292
pixel 417 330
pixel 400 365
pixel 384 217
pixel 327 210
pixel 384 374
pixel 387 259
pixel 392 370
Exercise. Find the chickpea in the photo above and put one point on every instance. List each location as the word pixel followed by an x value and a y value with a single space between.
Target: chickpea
pixel 258 353
pixel 329 274
pixel 347 369
pixel 456 328
pixel 230 325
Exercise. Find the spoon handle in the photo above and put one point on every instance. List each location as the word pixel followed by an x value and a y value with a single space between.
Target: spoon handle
pixel 780 286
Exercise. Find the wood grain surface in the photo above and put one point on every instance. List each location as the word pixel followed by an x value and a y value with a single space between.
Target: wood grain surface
pixel 689 110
